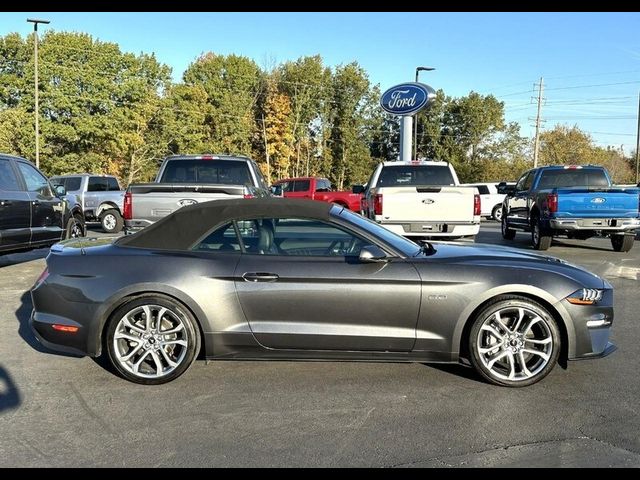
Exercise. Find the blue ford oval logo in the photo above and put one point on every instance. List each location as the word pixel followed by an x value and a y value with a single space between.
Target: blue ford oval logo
pixel 406 98
pixel 598 200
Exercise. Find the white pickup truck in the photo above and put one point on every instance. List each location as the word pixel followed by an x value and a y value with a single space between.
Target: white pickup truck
pixel 422 199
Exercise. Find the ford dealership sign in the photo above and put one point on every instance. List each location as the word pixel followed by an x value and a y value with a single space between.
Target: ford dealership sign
pixel 407 98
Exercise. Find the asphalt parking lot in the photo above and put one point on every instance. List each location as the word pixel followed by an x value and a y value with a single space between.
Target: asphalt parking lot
pixel 58 410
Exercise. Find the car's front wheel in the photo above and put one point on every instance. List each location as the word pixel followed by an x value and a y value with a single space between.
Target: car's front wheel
pixel 514 342
pixel 152 340
pixel 507 233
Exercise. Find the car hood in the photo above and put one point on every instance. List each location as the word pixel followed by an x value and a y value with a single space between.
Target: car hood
pixel 507 257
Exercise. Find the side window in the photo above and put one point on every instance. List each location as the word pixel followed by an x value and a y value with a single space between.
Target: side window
pixel 97 184
pixel 287 186
pixel 297 236
pixel 323 185
pixel 36 182
pixel 521 185
pixel 112 184
pixel 221 240
pixel 8 179
pixel 301 186
pixel 483 190
pixel 72 184
pixel 528 182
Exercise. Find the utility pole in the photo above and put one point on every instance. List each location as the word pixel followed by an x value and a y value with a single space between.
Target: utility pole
pixel 266 149
pixel 536 147
pixel 35 33
pixel 415 123
pixel 638 143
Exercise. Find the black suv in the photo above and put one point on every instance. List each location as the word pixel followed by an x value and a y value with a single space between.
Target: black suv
pixel 32 213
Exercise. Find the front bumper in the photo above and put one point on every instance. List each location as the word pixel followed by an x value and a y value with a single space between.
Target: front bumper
pixel 591 328
pixel 607 224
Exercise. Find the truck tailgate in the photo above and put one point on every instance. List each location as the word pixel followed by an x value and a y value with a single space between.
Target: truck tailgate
pixel 154 201
pixel 452 204
pixel 597 202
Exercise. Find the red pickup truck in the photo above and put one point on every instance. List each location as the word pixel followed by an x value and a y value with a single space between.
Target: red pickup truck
pixel 316 188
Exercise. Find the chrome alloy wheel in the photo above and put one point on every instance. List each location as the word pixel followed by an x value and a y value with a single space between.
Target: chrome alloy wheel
pixel 515 343
pixel 150 341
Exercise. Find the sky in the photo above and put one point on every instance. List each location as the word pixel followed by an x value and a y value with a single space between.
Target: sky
pixel 590 62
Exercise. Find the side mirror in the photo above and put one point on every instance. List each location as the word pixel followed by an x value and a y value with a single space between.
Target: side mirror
pixel 372 254
pixel 276 190
pixel 60 190
pixel 357 189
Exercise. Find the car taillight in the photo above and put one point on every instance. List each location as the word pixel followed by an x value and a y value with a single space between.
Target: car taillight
pixel 476 205
pixel 552 202
pixel 127 210
pixel 377 204
pixel 249 195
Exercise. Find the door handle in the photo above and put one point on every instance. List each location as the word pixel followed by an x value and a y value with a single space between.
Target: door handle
pixel 5 203
pixel 36 202
pixel 260 277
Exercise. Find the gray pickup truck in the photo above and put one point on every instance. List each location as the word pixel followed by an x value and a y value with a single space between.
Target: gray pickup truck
pixel 100 197
pixel 187 179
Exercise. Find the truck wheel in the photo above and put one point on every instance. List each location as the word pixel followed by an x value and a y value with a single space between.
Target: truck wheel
pixel 111 221
pixel 622 243
pixel 507 233
pixel 540 239
pixel 496 214
pixel 75 227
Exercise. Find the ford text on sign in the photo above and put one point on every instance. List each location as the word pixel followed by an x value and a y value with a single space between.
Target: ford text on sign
pixel 406 98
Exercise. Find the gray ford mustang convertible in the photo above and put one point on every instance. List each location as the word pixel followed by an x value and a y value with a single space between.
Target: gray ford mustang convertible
pixel 297 279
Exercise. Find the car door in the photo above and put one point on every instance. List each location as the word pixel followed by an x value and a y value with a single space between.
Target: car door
pixel 301 286
pixel 47 210
pixel 518 203
pixel 15 209
pixel 485 200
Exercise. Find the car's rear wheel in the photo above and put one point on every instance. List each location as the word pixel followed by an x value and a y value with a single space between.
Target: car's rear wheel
pixel 622 243
pixel 111 221
pixel 507 233
pixel 540 238
pixel 152 340
pixel 514 342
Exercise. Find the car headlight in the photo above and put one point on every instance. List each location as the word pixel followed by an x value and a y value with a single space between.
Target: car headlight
pixel 586 296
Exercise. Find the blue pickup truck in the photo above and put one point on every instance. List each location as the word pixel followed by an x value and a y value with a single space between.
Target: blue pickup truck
pixel 577 201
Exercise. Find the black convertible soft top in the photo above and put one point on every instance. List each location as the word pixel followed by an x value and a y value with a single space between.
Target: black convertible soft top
pixel 182 228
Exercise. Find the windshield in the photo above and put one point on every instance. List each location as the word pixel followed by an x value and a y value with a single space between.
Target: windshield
pixel 413 175
pixel 573 177
pixel 407 247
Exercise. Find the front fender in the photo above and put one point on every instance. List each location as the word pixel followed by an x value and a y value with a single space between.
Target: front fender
pixel 559 312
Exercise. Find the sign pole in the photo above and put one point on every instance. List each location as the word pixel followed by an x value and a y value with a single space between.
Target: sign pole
pixel 406 131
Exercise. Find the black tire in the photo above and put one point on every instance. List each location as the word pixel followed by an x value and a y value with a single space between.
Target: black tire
pixel 75 227
pixel 507 233
pixel 548 325
pixel 540 238
pixel 622 243
pixel 111 221
pixel 189 332
pixel 496 213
